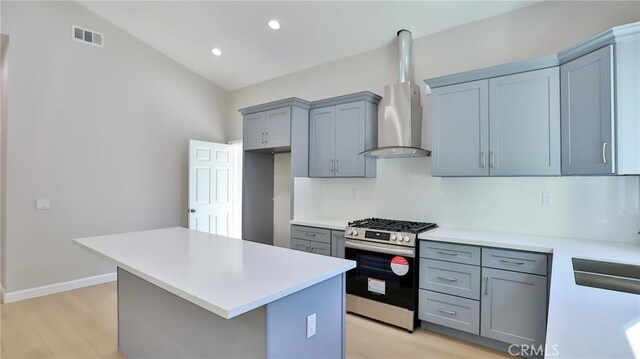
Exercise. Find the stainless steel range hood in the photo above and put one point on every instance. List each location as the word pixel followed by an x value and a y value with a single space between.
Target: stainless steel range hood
pixel 399 112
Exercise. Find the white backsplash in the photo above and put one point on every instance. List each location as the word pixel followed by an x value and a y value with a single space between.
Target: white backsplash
pixel 604 208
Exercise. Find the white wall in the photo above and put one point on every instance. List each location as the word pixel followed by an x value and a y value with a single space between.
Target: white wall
pixel 588 207
pixel 102 132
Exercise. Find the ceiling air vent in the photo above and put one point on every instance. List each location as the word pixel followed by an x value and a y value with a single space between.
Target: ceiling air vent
pixel 87 36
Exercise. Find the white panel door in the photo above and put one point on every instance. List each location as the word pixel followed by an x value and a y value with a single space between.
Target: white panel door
pixel 210 187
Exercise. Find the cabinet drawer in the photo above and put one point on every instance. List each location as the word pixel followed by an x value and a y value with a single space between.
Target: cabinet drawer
pixel 311 233
pixel 450 252
pixel 453 312
pixel 300 244
pixel 451 278
pixel 320 248
pixel 525 262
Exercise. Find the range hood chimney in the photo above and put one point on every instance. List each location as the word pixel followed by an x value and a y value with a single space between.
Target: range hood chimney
pixel 400 113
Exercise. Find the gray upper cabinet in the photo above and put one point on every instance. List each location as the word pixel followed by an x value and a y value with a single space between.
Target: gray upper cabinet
pixel 460 129
pixel 503 126
pixel 268 129
pixel 322 142
pixel 513 307
pixel 340 129
pixel 571 113
pixel 350 132
pixel 600 111
pixel 587 114
pixel 278 128
pixel 254 125
pixel 524 124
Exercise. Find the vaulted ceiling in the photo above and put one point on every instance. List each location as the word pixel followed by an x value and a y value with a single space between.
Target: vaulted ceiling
pixel 311 33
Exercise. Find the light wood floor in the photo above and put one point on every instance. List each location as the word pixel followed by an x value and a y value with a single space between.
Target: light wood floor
pixel 82 324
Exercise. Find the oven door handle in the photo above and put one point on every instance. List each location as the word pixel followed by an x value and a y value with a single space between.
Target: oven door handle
pixel 380 248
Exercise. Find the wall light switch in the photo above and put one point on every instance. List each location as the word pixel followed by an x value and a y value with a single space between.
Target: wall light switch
pixel 311 325
pixel 547 198
pixel 43 204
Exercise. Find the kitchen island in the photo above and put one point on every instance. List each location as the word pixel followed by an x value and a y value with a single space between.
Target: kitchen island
pixel 183 293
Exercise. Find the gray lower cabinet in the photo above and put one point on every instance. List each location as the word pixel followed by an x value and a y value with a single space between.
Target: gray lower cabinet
pixel 340 130
pixel 496 294
pixel 502 126
pixel 337 244
pixel 317 240
pixel 513 307
pixel 300 245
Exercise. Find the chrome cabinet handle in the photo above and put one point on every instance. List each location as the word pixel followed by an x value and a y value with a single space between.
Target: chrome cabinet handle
pixel 486 285
pixel 450 279
pixel 448 253
pixel 604 152
pixel 338 165
pixel 332 165
pixel 450 312
pixel 492 159
pixel 483 159
pixel 511 262
pixel 310 234
pixel 266 136
pixel 263 137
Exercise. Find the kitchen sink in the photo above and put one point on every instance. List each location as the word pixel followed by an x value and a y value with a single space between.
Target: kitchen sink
pixel 620 277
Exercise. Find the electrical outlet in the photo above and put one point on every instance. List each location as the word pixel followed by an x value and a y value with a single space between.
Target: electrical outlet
pixel 354 193
pixel 547 198
pixel 43 204
pixel 311 325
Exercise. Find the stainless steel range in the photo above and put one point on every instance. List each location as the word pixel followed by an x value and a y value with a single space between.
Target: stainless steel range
pixel 384 284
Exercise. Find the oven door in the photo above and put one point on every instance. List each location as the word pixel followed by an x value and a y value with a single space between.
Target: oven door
pixel 384 272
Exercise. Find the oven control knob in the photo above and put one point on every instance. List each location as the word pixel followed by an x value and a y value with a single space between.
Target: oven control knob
pixel 350 232
pixel 406 239
pixel 393 237
pixel 355 233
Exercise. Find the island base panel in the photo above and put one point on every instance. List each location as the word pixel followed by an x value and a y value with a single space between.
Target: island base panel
pixel 154 323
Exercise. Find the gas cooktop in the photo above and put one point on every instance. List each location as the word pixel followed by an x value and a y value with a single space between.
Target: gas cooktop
pixel 392 225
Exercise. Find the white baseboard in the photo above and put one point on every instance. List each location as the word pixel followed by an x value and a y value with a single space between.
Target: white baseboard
pixel 10 297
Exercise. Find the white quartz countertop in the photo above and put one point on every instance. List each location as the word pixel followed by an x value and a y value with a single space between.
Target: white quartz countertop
pixel 583 322
pixel 226 276
pixel 330 223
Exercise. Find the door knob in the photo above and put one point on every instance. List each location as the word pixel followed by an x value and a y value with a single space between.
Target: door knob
pixel 192 210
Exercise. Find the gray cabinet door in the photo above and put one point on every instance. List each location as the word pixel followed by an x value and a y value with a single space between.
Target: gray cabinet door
pixel 337 244
pixel 300 245
pixel 322 142
pixel 278 128
pixel 254 131
pixel 513 307
pixel 349 142
pixel 524 118
pixel 460 129
pixel 587 114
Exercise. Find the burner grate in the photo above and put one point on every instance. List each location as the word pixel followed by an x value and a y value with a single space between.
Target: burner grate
pixel 393 225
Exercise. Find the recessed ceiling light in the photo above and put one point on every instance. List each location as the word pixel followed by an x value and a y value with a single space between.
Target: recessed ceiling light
pixel 216 51
pixel 274 24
